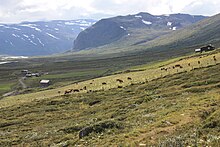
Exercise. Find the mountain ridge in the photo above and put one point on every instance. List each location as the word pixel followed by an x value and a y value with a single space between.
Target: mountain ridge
pixel 40 37
pixel 92 36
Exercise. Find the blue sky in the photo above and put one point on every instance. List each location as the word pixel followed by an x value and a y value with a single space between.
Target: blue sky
pixel 13 11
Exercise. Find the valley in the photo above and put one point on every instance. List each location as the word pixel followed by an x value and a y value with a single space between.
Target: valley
pixel 134 80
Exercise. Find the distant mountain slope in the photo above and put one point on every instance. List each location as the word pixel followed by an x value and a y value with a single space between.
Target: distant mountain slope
pixel 113 29
pixel 204 32
pixel 40 38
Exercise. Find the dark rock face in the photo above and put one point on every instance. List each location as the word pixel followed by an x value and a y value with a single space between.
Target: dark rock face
pixel 103 32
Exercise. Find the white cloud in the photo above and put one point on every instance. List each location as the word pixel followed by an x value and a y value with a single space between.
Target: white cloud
pixel 32 10
pixel 203 7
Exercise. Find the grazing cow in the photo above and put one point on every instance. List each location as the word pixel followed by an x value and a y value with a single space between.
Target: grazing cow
pixel 119 80
pixel 84 87
pixel 199 62
pixel 59 92
pixel 163 69
pixel 76 90
pixel 188 64
pixel 91 83
pixel 177 65
pixel 104 83
pixel 68 91
pixel 214 58
pixel 129 78
pixel 120 87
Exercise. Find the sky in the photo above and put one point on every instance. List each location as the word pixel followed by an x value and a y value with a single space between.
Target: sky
pixel 15 11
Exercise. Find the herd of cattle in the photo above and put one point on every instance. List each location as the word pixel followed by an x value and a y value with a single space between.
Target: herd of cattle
pixel 69 91
pixel 176 66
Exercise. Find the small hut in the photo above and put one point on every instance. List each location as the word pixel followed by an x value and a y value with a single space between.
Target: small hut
pixel 206 48
pixel 45 83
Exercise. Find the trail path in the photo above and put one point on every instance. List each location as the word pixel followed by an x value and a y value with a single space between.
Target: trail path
pixel 21 81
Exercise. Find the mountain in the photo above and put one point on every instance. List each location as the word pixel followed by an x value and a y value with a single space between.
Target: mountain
pixel 40 38
pixel 143 25
pixel 199 34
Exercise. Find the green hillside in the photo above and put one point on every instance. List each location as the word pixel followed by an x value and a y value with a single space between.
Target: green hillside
pixel 179 108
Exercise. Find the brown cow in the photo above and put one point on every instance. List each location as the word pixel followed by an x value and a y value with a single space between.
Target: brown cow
pixel 129 78
pixel 104 83
pixel 177 65
pixel 68 91
pixel 214 58
pixel 119 80
pixel 76 90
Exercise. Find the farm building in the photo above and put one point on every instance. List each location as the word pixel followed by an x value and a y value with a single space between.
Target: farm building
pixel 45 83
pixel 205 48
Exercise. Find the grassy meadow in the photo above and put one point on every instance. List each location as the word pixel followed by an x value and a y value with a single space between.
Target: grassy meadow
pixel 177 107
pixel 128 77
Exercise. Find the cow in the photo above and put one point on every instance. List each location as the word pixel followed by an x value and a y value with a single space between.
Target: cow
pixel 104 83
pixel 68 91
pixel 119 80
pixel 76 90
pixel 129 78
pixel 177 65
pixel 214 58
pixel 120 87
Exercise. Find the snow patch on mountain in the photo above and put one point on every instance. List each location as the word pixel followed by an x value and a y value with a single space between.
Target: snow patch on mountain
pixel 146 22
pixel 32 26
pixel 169 23
pixel 17 36
pixel 52 36
pixel 26 36
pixel 40 41
pixel 70 23
pixel 82 28
pixel 123 28
pixel 138 16
pixel 32 42
pixel 174 29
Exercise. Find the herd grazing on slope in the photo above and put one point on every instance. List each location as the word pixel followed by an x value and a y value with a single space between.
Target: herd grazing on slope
pixel 120 81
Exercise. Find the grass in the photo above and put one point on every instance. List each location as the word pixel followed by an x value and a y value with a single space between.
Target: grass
pixel 5 87
pixel 167 110
pixel 136 77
